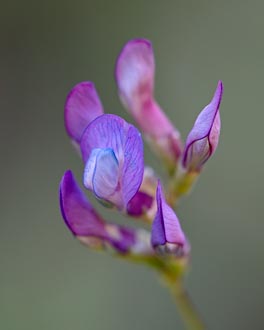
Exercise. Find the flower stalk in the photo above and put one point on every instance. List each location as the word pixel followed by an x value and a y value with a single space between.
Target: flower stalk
pixel 185 306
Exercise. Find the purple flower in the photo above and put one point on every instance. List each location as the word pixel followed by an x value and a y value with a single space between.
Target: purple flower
pixel 135 70
pixel 90 228
pixel 167 235
pixel 203 139
pixel 112 151
pixel 81 107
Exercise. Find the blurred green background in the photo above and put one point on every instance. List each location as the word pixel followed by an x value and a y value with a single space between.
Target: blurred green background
pixel 48 281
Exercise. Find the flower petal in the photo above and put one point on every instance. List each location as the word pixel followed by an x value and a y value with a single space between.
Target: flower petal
pixel 133 168
pixel 101 172
pixel 203 139
pixel 112 132
pixel 106 131
pixel 76 210
pixel 135 70
pixel 87 225
pixel 166 227
pixel 82 106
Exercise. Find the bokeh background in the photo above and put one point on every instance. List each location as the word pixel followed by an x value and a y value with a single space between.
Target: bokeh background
pixel 50 282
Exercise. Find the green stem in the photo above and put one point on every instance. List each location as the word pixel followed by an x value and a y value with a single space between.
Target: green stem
pixel 189 314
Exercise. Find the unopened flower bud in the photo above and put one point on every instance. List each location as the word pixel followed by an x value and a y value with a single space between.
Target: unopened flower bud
pixel 203 139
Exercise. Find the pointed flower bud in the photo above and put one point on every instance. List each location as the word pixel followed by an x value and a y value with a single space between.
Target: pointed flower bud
pixel 135 70
pixel 166 235
pixel 112 151
pixel 203 139
pixel 81 107
pixel 84 222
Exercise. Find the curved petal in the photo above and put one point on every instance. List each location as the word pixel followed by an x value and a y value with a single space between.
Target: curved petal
pixel 203 139
pixel 166 227
pixel 86 224
pixel 135 70
pixel 106 131
pixel 101 173
pixel 112 132
pixel 133 168
pixel 79 215
pixel 81 107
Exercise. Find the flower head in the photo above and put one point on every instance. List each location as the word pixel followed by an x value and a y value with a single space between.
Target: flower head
pixel 203 139
pixel 135 71
pixel 112 151
pixel 167 235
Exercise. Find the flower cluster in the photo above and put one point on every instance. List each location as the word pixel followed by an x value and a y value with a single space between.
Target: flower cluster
pixel 114 170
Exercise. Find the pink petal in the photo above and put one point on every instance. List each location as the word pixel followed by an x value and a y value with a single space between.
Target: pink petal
pixel 135 70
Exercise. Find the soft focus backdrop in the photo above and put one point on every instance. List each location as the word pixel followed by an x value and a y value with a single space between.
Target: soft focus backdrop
pixel 48 281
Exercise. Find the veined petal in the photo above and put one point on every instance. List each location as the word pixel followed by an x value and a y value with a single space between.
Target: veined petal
pixel 166 229
pixel 133 168
pixel 203 139
pixel 101 173
pixel 106 131
pixel 135 71
pixel 113 133
pixel 81 107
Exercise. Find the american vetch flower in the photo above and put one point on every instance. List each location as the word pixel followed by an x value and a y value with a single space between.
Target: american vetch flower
pixel 89 227
pixel 112 151
pixel 114 171
pixel 112 154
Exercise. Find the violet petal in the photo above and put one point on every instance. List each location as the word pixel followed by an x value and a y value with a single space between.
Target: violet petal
pixel 133 168
pixel 106 131
pixel 76 210
pixel 81 107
